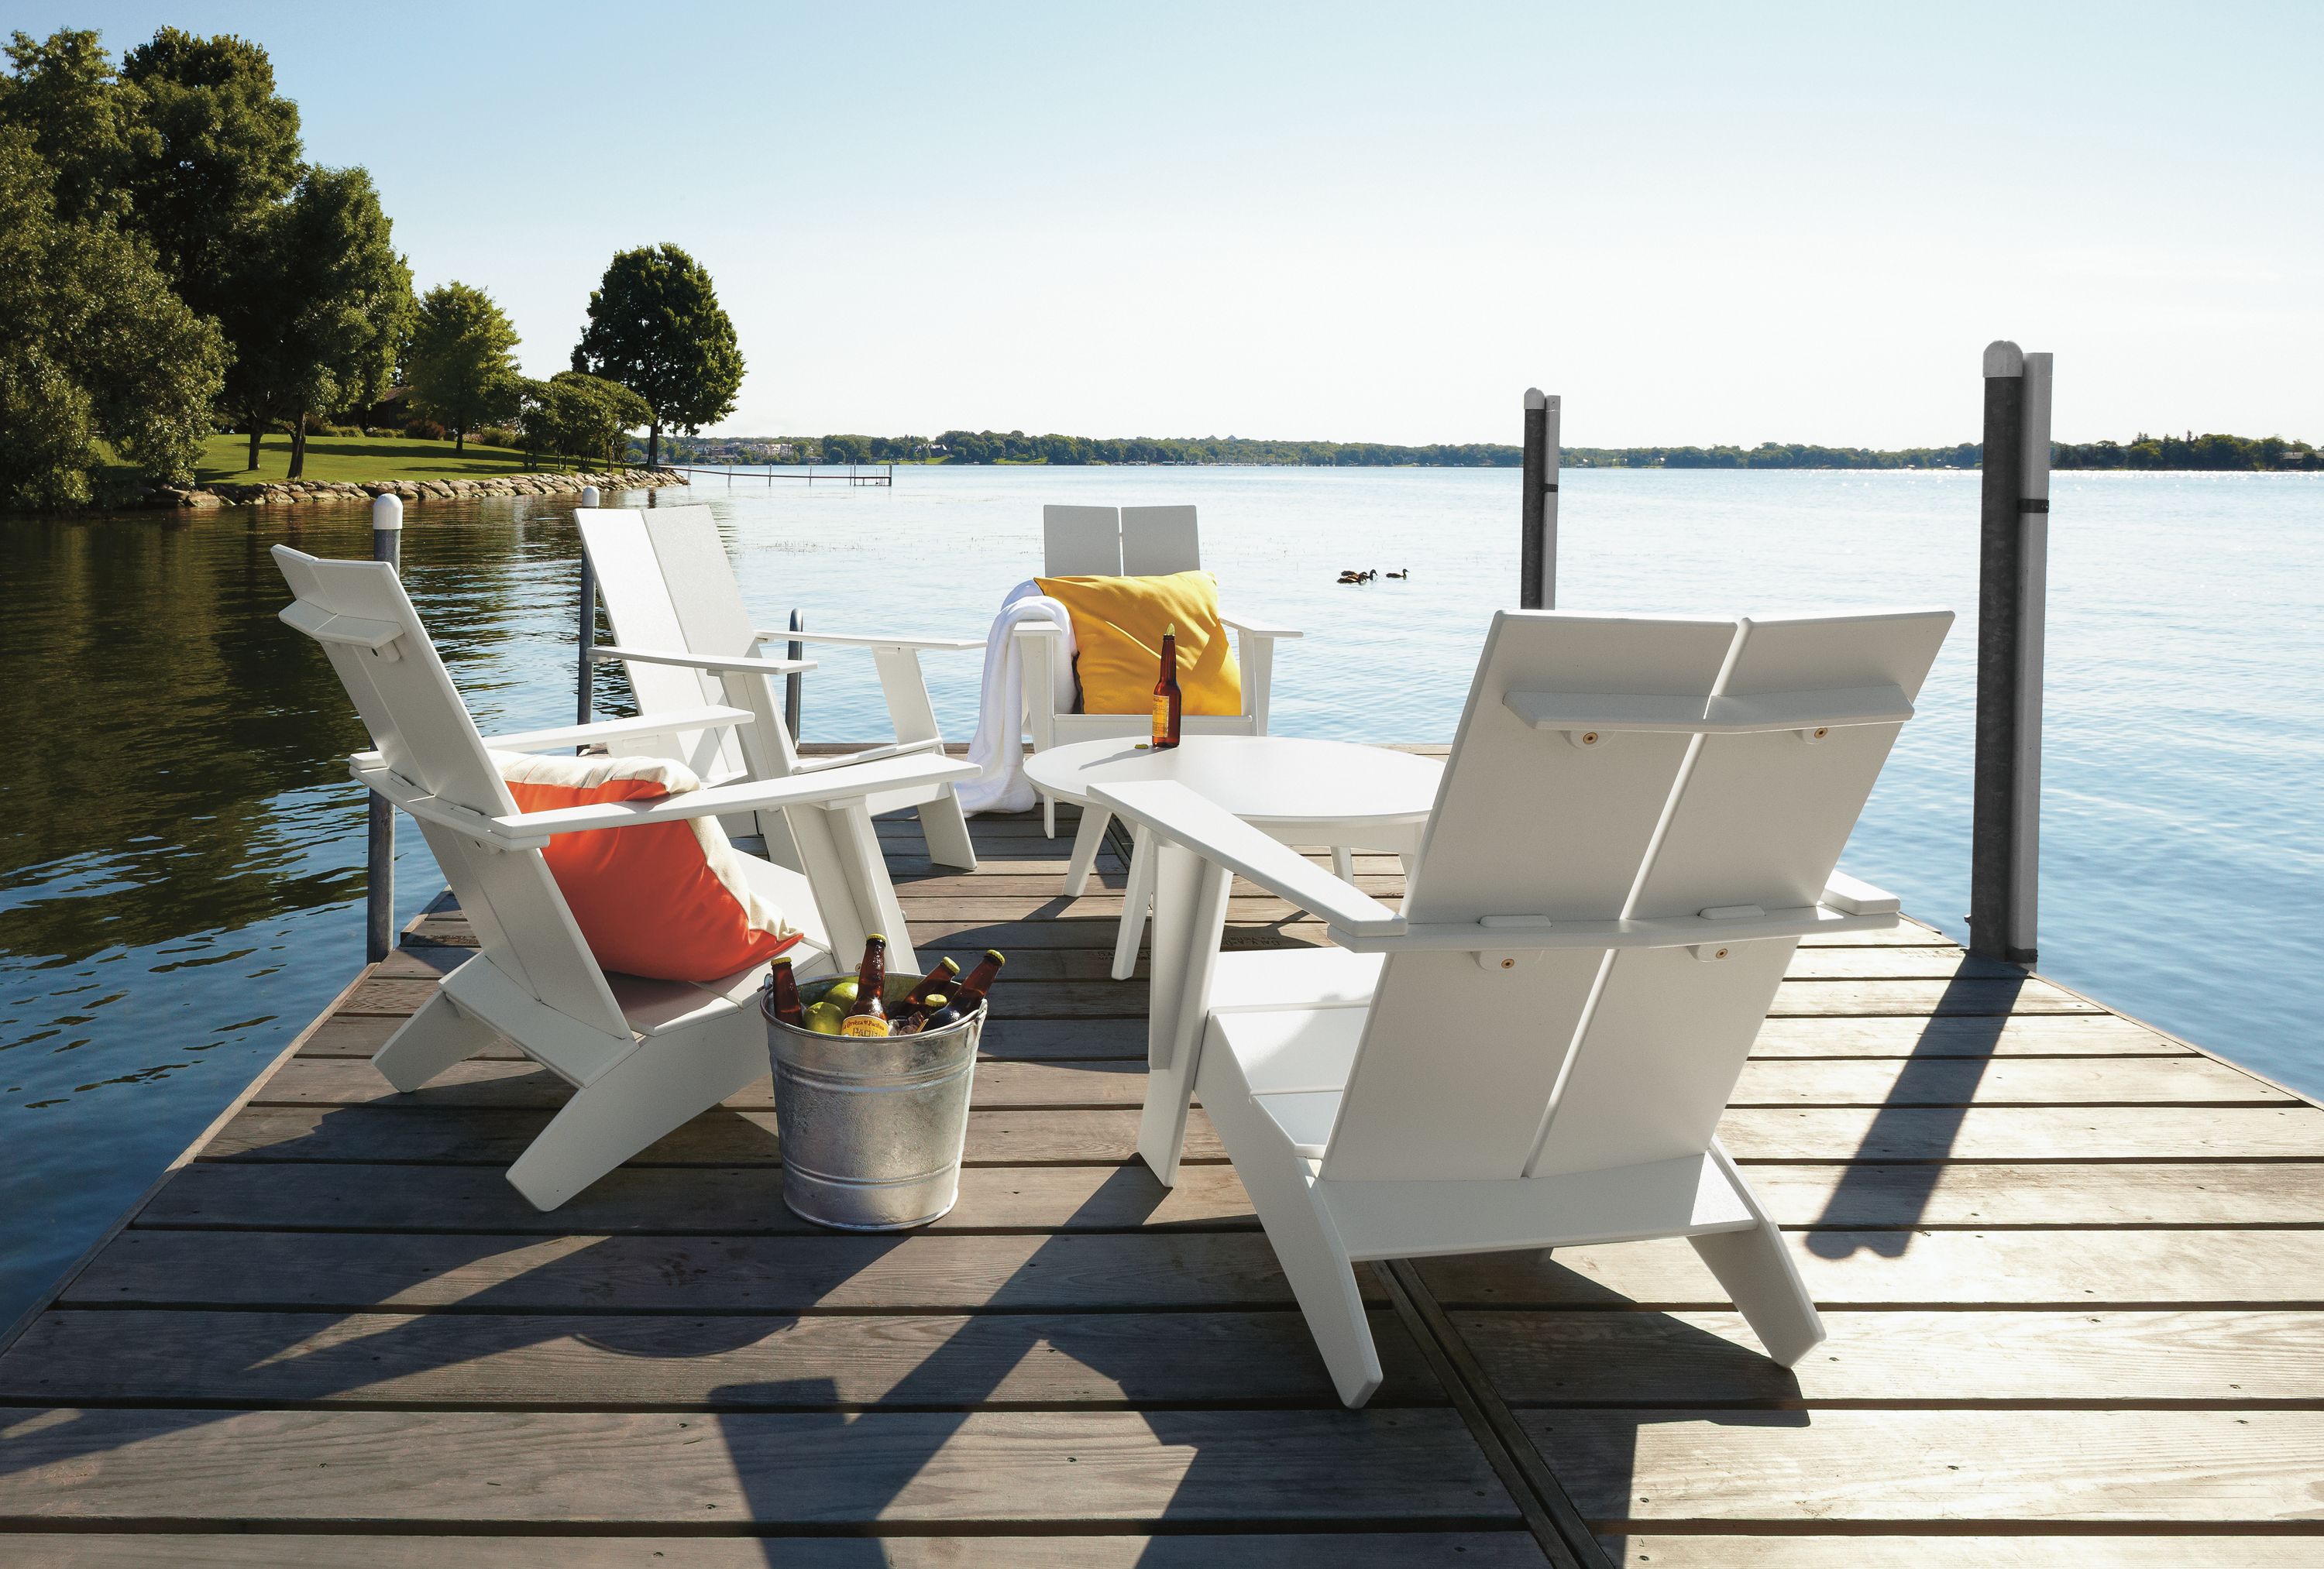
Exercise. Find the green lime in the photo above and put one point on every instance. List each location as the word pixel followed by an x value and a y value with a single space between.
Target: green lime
pixel 842 992
pixel 825 1018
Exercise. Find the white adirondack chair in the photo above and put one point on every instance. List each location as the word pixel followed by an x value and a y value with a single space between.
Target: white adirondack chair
pixel 685 639
pixel 1127 542
pixel 1639 821
pixel 644 1055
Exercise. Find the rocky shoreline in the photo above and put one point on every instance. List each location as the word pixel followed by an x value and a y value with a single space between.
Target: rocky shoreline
pixel 297 493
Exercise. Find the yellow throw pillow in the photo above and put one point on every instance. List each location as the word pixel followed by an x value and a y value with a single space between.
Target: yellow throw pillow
pixel 1118 624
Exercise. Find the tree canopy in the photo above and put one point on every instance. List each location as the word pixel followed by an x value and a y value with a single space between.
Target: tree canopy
pixel 94 345
pixel 655 326
pixel 211 146
pixel 460 366
pixel 320 305
pixel 580 416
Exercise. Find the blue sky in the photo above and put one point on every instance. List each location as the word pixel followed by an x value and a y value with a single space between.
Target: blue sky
pixel 1370 223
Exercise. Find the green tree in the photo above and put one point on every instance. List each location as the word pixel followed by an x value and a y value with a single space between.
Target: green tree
pixel 459 365
pixel 575 414
pixel 94 347
pixel 64 91
pixel 655 326
pixel 319 306
pixel 212 148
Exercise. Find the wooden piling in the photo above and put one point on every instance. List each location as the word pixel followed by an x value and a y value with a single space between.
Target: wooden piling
pixel 2012 588
pixel 1538 563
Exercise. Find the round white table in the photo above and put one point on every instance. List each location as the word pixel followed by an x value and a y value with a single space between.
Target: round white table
pixel 1338 794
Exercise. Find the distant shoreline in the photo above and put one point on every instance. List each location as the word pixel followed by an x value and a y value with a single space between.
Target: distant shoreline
pixel 2208 453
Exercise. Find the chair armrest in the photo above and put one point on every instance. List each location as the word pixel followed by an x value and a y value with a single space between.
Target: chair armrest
pixel 867 755
pixel 533 830
pixel 1259 629
pixel 1178 814
pixel 1036 630
pixel 1853 897
pixel 746 664
pixel 876 640
pixel 648 724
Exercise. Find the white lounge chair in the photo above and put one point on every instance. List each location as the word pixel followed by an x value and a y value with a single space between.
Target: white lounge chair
pixel 1638 821
pixel 685 639
pixel 1127 542
pixel 644 1055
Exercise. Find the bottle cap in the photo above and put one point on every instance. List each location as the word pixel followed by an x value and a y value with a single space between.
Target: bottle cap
pixel 949 965
pixel 996 955
pixel 1171 630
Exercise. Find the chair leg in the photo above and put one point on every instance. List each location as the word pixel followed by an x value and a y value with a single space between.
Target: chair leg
pixel 656 1089
pixel 1137 895
pixel 430 1041
pixel 945 828
pixel 1088 839
pixel 1757 1269
pixel 1048 815
pixel 1306 1244
pixel 1343 863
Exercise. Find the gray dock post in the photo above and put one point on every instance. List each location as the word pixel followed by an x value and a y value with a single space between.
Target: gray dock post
pixel 794 684
pixel 588 623
pixel 379 839
pixel 1538 561
pixel 2013 591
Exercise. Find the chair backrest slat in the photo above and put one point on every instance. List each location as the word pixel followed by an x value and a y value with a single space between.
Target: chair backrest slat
pixel 1758 819
pixel 1156 541
pixel 1081 542
pixel 1459 1061
pixel 424 734
pixel 645 616
pixel 1532 1062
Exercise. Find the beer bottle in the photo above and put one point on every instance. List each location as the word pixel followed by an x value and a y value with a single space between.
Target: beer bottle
pixel 937 980
pixel 782 990
pixel 979 982
pixel 1166 699
pixel 869 1015
pixel 939 1014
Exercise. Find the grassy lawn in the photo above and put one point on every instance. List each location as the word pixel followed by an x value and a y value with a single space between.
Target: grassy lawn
pixel 352 459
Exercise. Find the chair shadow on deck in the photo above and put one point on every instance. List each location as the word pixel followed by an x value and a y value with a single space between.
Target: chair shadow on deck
pixel 868 1467
pixel 1885 1188
pixel 1618 1369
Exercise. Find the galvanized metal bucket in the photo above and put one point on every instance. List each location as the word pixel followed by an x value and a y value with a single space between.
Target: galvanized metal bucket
pixel 872 1125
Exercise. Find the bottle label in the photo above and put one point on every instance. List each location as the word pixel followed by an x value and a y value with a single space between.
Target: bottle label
pixel 1161 719
pixel 865 1024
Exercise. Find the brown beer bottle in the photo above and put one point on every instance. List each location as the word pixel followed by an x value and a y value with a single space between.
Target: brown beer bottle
pixel 869 1015
pixel 782 988
pixel 978 983
pixel 937 980
pixel 1166 699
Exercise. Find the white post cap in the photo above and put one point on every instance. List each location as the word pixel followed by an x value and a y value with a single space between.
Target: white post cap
pixel 588 495
pixel 386 513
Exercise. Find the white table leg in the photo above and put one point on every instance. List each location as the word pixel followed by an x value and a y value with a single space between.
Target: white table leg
pixel 1343 863
pixel 1087 843
pixel 1135 899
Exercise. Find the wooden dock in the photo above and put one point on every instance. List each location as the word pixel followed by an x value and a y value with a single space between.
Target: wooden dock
pixel 2074 1271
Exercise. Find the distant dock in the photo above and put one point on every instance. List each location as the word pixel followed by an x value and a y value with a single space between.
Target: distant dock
pixel 808 473
pixel 2074 1271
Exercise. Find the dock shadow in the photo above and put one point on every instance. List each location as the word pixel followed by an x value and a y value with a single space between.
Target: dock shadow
pixel 1882 1195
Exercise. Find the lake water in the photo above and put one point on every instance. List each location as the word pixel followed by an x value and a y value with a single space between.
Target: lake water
pixel 182 849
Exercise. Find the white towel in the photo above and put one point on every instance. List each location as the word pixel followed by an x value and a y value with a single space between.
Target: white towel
pixel 999 749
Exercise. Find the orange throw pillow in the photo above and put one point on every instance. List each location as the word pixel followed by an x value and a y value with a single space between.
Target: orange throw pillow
pixel 667 900
pixel 1117 626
